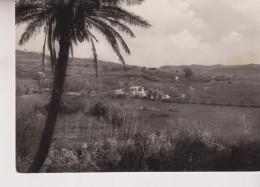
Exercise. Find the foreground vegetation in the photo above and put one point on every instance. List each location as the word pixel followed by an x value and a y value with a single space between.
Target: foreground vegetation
pixel 189 151
pixel 163 151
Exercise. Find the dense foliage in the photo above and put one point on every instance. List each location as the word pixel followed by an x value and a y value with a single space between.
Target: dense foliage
pixel 192 151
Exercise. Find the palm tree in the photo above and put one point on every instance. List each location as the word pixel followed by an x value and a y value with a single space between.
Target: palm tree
pixel 70 22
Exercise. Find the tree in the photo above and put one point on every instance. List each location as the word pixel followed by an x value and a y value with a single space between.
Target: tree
pixel 70 22
pixel 187 72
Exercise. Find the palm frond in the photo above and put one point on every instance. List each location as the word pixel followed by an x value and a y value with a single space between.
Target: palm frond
pixel 121 27
pixel 71 50
pixel 54 54
pixel 51 45
pixel 118 2
pixel 43 53
pixel 26 11
pixel 30 30
pixel 113 32
pixel 118 13
pixel 133 2
pixel 109 35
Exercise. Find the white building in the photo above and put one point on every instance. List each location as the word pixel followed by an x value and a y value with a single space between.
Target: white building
pixel 182 96
pixel 137 91
pixel 120 92
pixel 165 97
pixel 177 78
pixel 41 74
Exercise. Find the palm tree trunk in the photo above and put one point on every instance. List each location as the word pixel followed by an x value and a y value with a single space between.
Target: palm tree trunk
pixel 54 103
pixel 50 46
pixel 43 55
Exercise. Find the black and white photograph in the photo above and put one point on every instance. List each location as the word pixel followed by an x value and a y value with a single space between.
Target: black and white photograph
pixel 145 86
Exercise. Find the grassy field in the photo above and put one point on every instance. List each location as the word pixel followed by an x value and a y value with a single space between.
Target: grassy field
pixel 226 123
pixel 229 125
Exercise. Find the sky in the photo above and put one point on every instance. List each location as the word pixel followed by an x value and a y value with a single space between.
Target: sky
pixel 183 32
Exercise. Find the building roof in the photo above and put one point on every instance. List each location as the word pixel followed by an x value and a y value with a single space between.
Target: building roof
pixel 135 87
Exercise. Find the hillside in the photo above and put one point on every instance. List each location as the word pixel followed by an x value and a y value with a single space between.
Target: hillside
pixel 240 90
pixel 240 71
pixel 249 71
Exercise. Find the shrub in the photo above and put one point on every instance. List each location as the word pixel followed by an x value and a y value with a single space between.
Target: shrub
pixel 172 110
pixel 61 161
pixel 132 156
pixel 106 153
pixel 162 115
pixel 191 154
pixel 116 68
pixel 65 160
pixel 237 157
pixel 187 72
pixel 102 156
pixel 45 83
pixel 26 86
pixel 99 111
pixel 150 78
pixel 159 150
pixel 72 104
pixel 74 85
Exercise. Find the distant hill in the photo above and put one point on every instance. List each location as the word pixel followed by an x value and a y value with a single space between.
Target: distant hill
pixel 249 71
pixel 242 71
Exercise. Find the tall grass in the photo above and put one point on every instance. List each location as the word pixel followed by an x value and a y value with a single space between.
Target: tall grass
pixel 120 122
pixel 123 120
pixel 29 126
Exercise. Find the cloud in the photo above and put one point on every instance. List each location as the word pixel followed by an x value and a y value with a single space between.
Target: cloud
pixel 224 16
pixel 169 16
pixel 184 32
pixel 203 32
pixel 231 37
pixel 175 35
pixel 175 49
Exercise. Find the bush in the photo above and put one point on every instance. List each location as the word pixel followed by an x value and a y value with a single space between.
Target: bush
pixel 45 83
pixel 74 85
pixel 132 156
pixel 162 115
pixel 72 104
pixel 150 78
pixel 103 155
pixel 116 68
pixel 191 154
pixel 99 111
pixel 153 152
pixel 243 156
pixel 26 86
pixel 187 72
